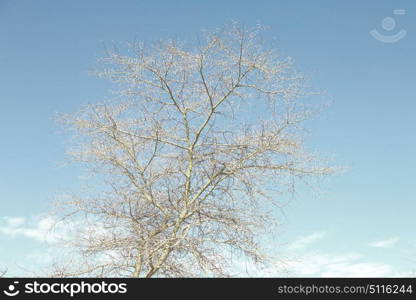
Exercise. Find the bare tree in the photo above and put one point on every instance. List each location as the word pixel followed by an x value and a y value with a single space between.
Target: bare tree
pixel 191 156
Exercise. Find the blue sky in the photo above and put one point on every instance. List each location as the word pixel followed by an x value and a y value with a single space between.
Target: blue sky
pixel 362 222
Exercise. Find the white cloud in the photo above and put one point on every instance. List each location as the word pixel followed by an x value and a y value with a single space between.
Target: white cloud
pixel 338 265
pixel 390 242
pixel 306 263
pixel 15 221
pixel 42 229
pixel 322 265
pixel 305 241
pixel 315 264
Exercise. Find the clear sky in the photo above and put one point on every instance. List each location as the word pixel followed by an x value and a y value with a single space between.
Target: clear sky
pixel 362 224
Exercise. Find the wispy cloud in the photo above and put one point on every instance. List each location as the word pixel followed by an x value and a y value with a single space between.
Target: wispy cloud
pixel 320 264
pixel 305 241
pixel 339 265
pixel 390 242
pixel 41 229
pixel 307 261
pixel 304 262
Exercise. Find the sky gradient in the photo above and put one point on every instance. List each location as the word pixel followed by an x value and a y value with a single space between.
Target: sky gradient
pixel 362 223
